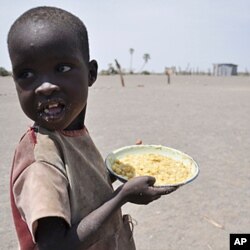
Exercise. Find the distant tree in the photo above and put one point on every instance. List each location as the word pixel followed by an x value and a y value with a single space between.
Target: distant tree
pixel 4 72
pixel 146 58
pixel 131 52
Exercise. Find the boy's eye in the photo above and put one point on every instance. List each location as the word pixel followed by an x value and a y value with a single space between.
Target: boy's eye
pixel 26 74
pixel 63 68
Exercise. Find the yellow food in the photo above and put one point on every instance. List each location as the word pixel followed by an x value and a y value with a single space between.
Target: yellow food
pixel 164 169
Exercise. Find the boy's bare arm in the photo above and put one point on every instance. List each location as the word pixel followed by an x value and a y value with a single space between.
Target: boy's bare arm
pixel 53 233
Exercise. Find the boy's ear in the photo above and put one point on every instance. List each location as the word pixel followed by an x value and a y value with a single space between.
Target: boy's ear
pixel 93 69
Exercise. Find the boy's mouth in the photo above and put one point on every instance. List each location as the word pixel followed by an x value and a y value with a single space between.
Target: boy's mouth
pixel 51 110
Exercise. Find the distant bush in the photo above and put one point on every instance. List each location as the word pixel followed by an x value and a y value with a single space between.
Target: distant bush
pixel 107 72
pixel 4 72
pixel 145 72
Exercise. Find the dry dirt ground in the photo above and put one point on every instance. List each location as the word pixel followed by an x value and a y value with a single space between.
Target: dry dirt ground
pixel 206 117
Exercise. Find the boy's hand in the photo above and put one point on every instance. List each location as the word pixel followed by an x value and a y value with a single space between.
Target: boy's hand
pixel 140 190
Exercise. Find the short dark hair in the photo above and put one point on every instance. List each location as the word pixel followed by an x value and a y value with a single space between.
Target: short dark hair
pixel 58 17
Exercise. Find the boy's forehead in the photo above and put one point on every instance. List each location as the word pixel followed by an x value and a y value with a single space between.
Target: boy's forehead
pixel 31 42
pixel 39 33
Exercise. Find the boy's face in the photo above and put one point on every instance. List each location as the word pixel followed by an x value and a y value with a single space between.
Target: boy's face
pixel 51 76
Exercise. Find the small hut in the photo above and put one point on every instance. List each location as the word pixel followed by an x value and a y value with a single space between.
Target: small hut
pixel 225 69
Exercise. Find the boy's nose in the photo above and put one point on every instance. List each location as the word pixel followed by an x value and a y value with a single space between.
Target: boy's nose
pixel 46 88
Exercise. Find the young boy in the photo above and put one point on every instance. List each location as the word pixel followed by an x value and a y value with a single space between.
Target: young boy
pixel 61 192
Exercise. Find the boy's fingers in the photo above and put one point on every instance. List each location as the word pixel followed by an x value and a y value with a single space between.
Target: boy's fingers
pixel 164 190
pixel 170 190
pixel 151 180
pixel 157 197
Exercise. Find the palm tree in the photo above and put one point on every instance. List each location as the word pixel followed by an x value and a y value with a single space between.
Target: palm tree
pixel 131 51
pixel 145 57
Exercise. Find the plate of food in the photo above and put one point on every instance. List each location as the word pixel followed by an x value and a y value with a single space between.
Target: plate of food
pixel 169 166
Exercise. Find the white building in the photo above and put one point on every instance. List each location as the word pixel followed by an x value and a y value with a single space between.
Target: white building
pixel 225 69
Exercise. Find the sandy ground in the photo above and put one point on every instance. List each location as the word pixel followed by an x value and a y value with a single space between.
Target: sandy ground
pixel 206 117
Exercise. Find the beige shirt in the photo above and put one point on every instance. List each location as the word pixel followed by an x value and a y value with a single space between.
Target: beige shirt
pixel 67 179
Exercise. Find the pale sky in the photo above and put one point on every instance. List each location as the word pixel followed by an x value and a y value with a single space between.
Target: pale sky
pixel 181 33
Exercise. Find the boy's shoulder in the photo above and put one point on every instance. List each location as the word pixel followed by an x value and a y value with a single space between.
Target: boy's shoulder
pixel 24 155
pixel 35 147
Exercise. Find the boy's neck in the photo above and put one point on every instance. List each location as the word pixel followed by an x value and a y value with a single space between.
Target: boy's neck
pixel 77 126
pixel 78 123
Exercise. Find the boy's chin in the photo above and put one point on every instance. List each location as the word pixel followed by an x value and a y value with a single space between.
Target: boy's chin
pixel 51 125
pixel 60 122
